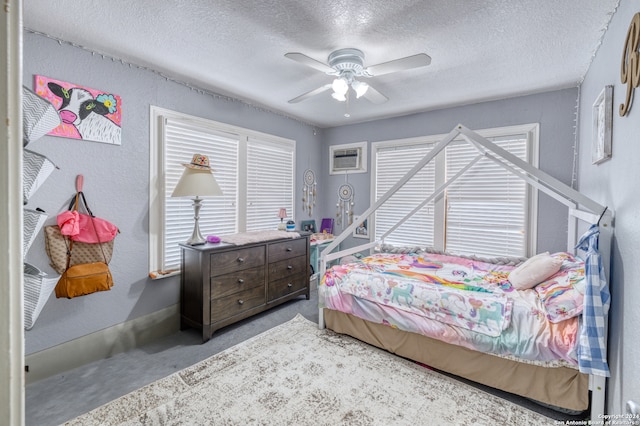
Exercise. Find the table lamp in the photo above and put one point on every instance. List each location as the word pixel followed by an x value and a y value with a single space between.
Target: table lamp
pixel 282 214
pixel 197 181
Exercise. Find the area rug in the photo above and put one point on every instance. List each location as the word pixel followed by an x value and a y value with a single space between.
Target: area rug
pixel 296 374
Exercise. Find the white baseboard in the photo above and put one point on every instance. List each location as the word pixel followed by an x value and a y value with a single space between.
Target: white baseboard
pixel 102 344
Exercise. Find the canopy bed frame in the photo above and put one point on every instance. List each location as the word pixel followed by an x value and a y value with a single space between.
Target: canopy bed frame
pixel 548 385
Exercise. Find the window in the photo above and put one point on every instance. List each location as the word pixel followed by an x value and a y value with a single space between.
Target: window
pixel 391 165
pixel 485 212
pixel 254 170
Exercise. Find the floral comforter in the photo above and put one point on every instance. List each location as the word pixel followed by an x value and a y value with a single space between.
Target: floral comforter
pixel 464 302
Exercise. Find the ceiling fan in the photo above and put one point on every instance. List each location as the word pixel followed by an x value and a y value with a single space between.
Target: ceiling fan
pixel 348 65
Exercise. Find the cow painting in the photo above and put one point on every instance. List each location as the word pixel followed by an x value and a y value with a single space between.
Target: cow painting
pixel 85 113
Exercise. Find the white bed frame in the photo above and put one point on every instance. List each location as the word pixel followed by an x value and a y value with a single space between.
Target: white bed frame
pixel 581 210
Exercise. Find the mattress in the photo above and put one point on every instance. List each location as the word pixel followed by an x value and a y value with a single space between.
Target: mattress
pixel 464 302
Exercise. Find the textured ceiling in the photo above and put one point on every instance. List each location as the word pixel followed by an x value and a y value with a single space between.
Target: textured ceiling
pixel 480 50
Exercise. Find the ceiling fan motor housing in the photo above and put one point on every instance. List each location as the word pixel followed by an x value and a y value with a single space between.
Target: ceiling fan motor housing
pixel 349 61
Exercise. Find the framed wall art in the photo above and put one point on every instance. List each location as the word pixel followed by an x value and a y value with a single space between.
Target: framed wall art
pixel 308 226
pixel 602 121
pixel 362 231
pixel 85 113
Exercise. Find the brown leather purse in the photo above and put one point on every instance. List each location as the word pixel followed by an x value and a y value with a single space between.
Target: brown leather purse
pixel 84 278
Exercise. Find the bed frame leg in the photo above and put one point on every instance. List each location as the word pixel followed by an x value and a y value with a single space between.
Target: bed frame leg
pixel 597 385
pixel 321 324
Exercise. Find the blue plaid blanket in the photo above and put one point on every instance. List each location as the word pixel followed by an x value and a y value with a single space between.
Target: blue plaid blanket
pixel 592 348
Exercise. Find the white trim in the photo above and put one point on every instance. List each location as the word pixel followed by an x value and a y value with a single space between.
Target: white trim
pixel 11 279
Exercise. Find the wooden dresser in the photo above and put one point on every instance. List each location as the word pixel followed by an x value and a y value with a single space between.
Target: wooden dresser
pixel 224 283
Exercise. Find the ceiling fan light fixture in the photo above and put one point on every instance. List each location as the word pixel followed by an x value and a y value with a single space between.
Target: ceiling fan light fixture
pixel 340 88
pixel 359 87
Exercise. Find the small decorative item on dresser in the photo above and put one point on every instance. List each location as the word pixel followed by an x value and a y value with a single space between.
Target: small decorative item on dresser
pixel 308 226
pixel 291 225
pixel 326 226
pixel 282 214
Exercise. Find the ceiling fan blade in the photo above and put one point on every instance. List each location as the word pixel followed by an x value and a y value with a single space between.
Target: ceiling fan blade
pixel 310 94
pixel 310 62
pixel 409 62
pixel 374 96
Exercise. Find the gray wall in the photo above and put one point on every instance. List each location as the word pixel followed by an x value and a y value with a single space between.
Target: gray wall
pixel 615 183
pixel 554 111
pixel 117 181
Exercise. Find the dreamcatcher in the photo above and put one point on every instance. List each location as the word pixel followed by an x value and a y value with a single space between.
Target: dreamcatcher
pixel 344 215
pixel 309 191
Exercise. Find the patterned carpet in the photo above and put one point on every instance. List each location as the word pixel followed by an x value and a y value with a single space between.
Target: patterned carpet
pixel 295 374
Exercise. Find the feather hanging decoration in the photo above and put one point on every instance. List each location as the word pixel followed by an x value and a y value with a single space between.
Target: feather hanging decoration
pixel 344 213
pixel 309 191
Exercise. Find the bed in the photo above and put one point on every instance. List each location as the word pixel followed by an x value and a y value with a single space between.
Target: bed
pixel 467 316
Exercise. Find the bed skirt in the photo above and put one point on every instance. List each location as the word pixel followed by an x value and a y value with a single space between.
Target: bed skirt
pixel 561 386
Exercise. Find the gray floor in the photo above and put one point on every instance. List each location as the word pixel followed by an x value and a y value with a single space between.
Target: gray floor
pixel 60 398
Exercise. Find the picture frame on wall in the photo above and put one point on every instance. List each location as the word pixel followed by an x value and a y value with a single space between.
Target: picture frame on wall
pixel 362 230
pixel 602 122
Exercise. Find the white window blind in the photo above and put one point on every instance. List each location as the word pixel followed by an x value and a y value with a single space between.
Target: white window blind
pixel 486 212
pixel 251 168
pixel 486 209
pixel 218 214
pixel 392 163
pixel 269 183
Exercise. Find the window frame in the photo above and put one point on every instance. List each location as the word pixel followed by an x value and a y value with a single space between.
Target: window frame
pixel 157 175
pixel 531 131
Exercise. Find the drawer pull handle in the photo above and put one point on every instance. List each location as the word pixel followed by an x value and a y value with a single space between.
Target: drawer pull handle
pixel 240 281
pixel 289 267
pixel 241 259
pixel 240 302
pixel 289 249
pixel 289 285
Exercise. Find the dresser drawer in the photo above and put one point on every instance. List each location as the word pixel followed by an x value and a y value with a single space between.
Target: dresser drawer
pixel 287 249
pixel 287 268
pixel 224 285
pixel 237 260
pixel 284 286
pixel 225 307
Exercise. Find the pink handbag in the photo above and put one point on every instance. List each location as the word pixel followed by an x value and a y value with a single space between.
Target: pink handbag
pixel 85 228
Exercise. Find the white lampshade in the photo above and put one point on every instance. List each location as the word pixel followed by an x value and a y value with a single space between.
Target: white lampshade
pixel 196 183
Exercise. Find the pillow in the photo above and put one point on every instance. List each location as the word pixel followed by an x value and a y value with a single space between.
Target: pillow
pixel 534 271
pixel 563 294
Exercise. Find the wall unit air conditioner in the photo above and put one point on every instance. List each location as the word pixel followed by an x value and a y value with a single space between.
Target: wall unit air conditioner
pixel 350 158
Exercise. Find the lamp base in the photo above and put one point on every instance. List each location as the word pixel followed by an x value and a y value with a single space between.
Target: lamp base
pixel 195 242
pixel 196 237
pixel 282 226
